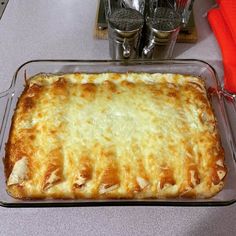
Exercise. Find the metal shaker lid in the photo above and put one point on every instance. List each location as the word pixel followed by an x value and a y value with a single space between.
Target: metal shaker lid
pixel 126 19
pixel 165 19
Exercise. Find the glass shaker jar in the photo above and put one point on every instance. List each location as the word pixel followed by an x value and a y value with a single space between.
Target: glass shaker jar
pixel 124 33
pixel 161 34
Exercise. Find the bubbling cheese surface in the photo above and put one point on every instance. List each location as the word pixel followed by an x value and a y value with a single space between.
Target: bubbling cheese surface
pixel 111 135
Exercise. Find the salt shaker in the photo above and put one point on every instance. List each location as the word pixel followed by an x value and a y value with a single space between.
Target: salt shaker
pixel 124 33
pixel 161 34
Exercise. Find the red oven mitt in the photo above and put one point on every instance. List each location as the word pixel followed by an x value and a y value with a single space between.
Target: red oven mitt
pixel 227 45
pixel 228 10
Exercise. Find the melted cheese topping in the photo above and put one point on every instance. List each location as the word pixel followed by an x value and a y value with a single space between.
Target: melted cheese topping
pixel 114 135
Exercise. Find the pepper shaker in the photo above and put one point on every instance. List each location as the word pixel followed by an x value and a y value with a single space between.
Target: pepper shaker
pixel 161 34
pixel 124 33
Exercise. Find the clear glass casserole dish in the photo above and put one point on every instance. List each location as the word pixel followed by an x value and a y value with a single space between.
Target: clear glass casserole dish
pixel 9 98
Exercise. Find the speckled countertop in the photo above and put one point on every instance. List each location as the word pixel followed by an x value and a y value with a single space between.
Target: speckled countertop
pixel 64 29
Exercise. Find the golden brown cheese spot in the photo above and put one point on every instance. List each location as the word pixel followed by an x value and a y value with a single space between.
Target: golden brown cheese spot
pixel 84 172
pixel 197 86
pixel 61 83
pixel 127 84
pixel 189 151
pixel 59 87
pixel 155 90
pixel 115 76
pixel 53 131
pixel 54 170
pixel 34 90
pixel 172 94
pixel 176 77
pixel 32 134
pixel 110 180
pixel 136 187
pixel 201 99
pixel 28 103
pixel 193 95
pixel 17 191
pixel 108 153
pixel 88 91
pixel 127 169
pixel 172 148
pixel 92 78
pixel 166 177
pixel 110 86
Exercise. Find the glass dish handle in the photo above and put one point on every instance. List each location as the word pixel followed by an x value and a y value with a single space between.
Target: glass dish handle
pixel 5 101
pixel 230 106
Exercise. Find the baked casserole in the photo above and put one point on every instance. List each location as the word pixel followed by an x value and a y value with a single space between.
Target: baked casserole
pixel 113 136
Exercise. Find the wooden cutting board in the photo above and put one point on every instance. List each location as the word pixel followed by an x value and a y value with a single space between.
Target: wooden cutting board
pixel 187 35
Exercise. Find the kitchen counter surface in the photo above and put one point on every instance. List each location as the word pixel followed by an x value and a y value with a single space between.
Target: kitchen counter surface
pixel 60 29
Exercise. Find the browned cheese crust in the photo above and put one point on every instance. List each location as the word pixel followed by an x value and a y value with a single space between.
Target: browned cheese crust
pixel 111 135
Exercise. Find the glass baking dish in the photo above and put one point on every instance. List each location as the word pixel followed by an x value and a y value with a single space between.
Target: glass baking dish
pixel 8 100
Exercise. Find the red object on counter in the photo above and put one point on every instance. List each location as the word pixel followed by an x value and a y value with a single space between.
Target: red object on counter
pixel 227 45
pixel 228 10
